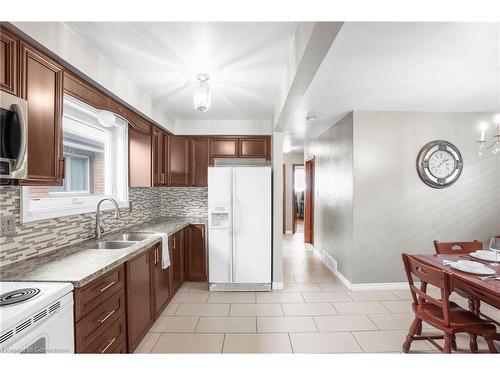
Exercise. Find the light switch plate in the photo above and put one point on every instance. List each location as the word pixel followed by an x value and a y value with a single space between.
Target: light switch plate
pixel 7 225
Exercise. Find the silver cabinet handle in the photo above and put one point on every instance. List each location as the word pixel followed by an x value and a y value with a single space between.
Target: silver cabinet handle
pixel 107 346
pixel 106 317
pixel 107 286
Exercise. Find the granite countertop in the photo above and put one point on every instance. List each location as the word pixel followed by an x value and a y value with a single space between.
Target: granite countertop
pixel 80 264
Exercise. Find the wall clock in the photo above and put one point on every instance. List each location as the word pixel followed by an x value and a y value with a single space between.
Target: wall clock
pixel 439 164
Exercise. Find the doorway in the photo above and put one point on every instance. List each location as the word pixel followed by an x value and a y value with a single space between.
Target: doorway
pixel 298 184
pixel 309 202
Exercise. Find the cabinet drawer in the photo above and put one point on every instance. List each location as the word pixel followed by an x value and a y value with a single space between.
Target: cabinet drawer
pixel 99 319
pixel 92 295
pixel 110 341
pixel 121 348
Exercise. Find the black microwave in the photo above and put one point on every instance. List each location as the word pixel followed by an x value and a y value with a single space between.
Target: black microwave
pixel 13 138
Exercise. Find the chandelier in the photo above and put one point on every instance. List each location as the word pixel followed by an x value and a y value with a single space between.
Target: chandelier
pixel 201 96
pixel 485 145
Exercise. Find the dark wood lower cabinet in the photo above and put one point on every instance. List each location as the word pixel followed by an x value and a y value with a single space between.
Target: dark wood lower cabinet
pixel 140 314
pixel 196 254
pixel 100 320
pixel 162 290
pixel 176 248
pixel 114 312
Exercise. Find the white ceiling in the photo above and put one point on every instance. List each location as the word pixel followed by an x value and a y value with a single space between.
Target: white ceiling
pixel 402 67
pixel 245 61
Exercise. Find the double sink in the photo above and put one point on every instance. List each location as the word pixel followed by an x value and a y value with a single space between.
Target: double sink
pixel 122 241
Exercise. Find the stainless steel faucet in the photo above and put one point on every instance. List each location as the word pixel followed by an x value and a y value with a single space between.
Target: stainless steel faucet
pixel 99 230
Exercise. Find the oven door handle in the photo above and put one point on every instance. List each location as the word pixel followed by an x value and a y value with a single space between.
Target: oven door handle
pixel 24 134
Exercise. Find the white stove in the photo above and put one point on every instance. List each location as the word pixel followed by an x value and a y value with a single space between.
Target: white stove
pixel 36 317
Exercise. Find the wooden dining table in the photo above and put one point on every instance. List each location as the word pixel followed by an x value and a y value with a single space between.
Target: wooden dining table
pixel 487 291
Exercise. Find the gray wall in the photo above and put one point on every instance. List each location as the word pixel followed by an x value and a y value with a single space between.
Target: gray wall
pixel 371 205
pixel 333 215
pixel 288 160
pixel 395 212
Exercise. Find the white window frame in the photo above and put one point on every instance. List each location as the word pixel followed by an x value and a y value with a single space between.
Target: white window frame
pixel 68 175
pixel 72 203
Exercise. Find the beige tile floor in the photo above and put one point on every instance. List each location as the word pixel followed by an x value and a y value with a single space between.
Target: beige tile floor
pixel 314 313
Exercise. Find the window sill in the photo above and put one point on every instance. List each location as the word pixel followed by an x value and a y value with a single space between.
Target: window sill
pixel 29 214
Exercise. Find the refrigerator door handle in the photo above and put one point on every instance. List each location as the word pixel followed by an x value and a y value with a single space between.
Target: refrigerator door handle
pixel 230 234
pixel 234 259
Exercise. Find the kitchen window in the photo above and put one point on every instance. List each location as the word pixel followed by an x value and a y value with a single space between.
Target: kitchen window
pixel 95 149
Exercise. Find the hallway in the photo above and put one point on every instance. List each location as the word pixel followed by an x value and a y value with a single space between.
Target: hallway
pixel 314 313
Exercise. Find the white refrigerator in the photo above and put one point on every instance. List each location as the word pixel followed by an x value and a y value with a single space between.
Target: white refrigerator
pixel 239 228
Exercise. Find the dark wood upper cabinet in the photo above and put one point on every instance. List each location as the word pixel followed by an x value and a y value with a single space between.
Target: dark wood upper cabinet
pixel 254 147
pixel 139 158
pixel 176 248
pixel 85 92
pixel 8 62
pixel 42 87
pixel 159 178
pixel 200 160
pixel 178 161
pixel 224 147
pixel 162 291
pixel 196 254
pixel 140 314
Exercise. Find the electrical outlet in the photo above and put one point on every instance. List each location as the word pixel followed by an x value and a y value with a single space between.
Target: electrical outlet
pixel 7 225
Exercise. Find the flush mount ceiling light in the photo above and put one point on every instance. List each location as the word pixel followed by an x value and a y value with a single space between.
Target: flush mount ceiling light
pixel 201 96
pixel 311 117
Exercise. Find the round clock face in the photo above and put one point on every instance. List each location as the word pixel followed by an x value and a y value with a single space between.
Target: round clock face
pixel 439 164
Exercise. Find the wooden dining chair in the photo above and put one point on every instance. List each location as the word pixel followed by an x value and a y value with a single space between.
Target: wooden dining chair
pixel 457 247
pixel 442 314
pixel 462 248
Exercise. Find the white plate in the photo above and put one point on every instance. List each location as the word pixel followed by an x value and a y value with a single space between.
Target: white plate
pixel 484 255
pixel 464 267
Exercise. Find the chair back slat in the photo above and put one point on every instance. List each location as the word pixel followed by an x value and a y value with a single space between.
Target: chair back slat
pixel 428 275
pixel 457 247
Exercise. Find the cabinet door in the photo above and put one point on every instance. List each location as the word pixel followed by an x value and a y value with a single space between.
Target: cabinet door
pixel 161 282
pixel 139 158
pixel 42 87
pixel 165 159
pixel 196 257
pixel 157 141
pixel 253 147
pixel 200 156
pixel 178 151
pixel 8 62
pixel 176 259
pixel 140 305
pixel 224 147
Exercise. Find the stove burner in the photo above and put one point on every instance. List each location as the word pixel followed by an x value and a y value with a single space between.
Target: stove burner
pixel 17 296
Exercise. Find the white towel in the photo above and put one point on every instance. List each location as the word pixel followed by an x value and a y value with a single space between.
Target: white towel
pixel 165 254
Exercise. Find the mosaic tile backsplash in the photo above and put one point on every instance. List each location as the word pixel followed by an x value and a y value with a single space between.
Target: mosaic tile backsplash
pixel 43 236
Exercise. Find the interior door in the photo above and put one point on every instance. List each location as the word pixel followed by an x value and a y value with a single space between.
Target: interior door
pixel 220 225
pixel 252 225
pixel 309 202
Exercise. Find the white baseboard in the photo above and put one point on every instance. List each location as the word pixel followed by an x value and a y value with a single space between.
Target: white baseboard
pixel 288 232
pixel 331 263
pixel 277 285
pixel 380 286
